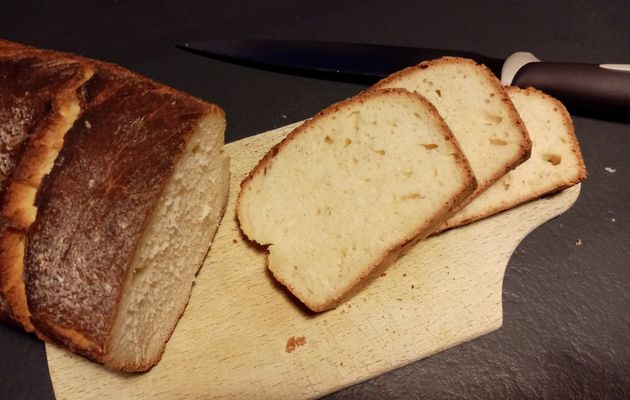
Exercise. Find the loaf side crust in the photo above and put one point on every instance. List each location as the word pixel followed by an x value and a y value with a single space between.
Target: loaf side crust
pixel 37 88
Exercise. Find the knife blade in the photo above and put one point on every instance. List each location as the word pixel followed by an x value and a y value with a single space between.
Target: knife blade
pixel 603 87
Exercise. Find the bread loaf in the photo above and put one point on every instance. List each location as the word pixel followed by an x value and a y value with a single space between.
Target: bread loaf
pixel 340 196
pixel 123 219
pixel 477 110
pixel 555 164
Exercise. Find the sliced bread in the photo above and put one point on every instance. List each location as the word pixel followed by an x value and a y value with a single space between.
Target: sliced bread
pixel 345 191
pixel 477 110
pixel 555 164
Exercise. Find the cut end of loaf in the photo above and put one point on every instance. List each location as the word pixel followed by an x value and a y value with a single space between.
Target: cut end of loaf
pixel 171 250
pixel 348 188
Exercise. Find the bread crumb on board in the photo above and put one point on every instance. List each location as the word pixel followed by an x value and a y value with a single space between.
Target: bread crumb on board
pixel 578 242
pixel 611 170
pixel 293 342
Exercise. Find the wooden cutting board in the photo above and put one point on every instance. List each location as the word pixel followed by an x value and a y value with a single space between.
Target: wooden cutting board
pixel 244 336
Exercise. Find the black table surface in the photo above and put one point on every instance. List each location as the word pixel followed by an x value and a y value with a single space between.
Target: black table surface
pixel 566 292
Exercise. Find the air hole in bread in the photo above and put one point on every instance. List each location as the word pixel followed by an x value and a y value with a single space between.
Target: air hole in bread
pixel 411 196
pixel 328 139
pixel 552 158
pixel 380 151
pixel 498 142
pixel 438 92
pixel 430 146
pixel 348 142
pixel 492 119
pixel 506 181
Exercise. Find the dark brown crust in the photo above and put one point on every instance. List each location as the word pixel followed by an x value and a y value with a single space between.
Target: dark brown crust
pixel 93 206
pixel 6 315
pixel 526 148
pixel 389 255
pixel 581 173
pixel 35 85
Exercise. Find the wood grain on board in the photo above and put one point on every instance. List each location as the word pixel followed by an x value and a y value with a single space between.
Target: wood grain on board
pixel 242 335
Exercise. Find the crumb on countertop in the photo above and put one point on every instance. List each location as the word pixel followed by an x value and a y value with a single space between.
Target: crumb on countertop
pixel 578 242
pixel 611 170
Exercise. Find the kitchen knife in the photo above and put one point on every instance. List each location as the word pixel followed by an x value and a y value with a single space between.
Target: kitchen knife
pixel 604 87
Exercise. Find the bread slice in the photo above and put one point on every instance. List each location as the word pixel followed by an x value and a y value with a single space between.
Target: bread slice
pixel 345 191
pixel 555 164
pixel 38 104
pixel 477 110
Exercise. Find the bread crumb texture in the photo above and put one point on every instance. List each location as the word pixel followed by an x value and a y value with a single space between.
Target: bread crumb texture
pixel 346 188
pixel 555 163
pixel 477 110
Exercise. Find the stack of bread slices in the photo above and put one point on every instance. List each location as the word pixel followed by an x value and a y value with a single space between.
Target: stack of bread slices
pixel 432 147
pixel 111 189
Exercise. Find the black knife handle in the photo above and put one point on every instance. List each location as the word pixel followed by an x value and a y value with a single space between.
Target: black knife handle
pixel 585 86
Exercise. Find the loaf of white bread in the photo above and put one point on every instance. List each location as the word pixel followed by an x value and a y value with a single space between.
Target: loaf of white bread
pixel 330 211
pixel 111 190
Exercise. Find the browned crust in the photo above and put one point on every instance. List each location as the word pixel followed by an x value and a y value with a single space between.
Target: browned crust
pixel 580 175
pixel 391 254
pixel 59 77
pixel 12 256
pixel 526 145
pixel 6 315
pixel 70 175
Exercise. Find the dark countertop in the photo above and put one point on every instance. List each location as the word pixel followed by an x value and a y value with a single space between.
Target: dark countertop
pixel 566 325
